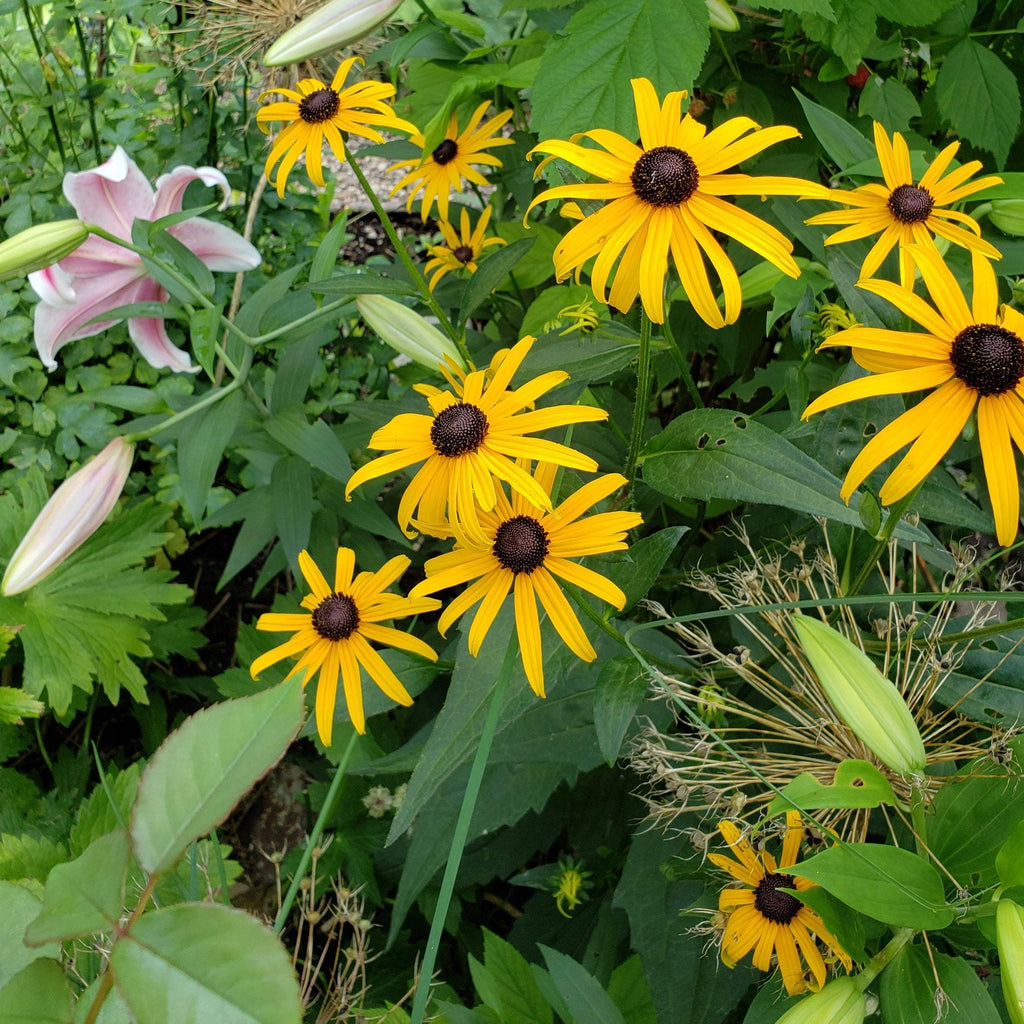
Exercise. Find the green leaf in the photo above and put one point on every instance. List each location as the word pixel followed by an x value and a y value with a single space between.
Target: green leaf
pixel 252 311
pixel 637 569
pixel 632 995
pixel 326 255
pixel 291 492
pixel 18 908
pixel 85 895
pixel 204 330
pixel 980 97
pixel 1010 858
pixel 584 74
pixel 295 370
pixel 37 994
pixel 205 962
pixel 363 282
pixel 16 705
pixel 595 357
pixel 582 992
pixel 988 683
pixel 856 784
pixel 908 991
pixel 885 882
pixel 205 767
pixel 822 7
pixel 848 34
pixel 200 447
pixel 490 273
pixel 715 453
pixel 620 689
pixel 889 101
pixel 315 442
pixel 505 983
pixel 843 143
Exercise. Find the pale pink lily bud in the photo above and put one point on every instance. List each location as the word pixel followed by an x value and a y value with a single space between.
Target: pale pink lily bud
pixel 73 514
pixel 334 25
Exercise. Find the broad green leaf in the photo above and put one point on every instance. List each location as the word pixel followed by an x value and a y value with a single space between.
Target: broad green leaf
pixel 620 689
pixel 18 908
pixel 505 983
pixel 295 369
pixel 635 571
pixel 250 314
pixel 584 75
pixel 889 101
pixel 315 442
pixel 595 357
pixel 204 330
pixel 887 883
pixel 822 7
pixel 1010 858
pixel 856 784
pixel 201 444
pixel 37 994
pixel 844 143
pixel 980 97
pixel 205 767
pixel 988 682
pixel 16 705
pixel 848 34
pixel 632 995
pixel 908 992
pixel 205 962
pixel 582 992
pixel 291 492
pixel 490 272
pixel 113 1010
pixel 85 895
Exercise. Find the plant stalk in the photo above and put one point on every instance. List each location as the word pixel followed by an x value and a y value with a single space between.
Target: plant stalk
pixel 643 394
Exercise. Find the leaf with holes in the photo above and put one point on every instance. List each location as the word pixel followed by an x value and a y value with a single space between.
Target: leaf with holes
pixel 856 784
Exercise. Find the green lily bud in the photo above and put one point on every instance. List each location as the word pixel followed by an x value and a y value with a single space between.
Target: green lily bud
pixel 40 246
pixel 839 1002
pixel 722 16
pixel 407 332
pixel 1010 943
pixel 1008 215
pixel 863 698
pixel 756 284
pixel 334 25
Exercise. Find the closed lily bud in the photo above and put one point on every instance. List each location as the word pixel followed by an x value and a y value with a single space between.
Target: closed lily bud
pixel 73 514
pixel 407 332
pixel 862 697
pixel 1010 943
pixel 756 284
pixel 722 16
pixel 1008 215
pixel 839 1002
pixel 40 246
pixel 334 25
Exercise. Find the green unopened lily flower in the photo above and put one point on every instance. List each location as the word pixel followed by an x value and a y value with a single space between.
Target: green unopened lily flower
pixel 1008 215
pixel 839 1002
pixel 336 24
pixel 862 697
pixel 722 16
pixel 1010 943
pixel 407 332
pixel 75 511
pixel 40 246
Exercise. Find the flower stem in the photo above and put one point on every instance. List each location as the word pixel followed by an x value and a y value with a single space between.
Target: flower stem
pixel 885 535
pixel 883 958
pixel 643 394
pixel 451 871
pixel 314 837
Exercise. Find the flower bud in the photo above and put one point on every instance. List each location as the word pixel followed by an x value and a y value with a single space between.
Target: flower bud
pixel 40 246
pixel 1008 215
pixel 1010 943
pixel 337 23
pixel 839 1002
pixel 722 16
pixel 73 514
pixel 407 332
pixel 862 697
pixel 756 284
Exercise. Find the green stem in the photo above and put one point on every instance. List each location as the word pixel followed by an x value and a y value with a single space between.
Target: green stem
pixel 917 816
pixel 322 818
pixel 84 50
pixel 643 394
pixel 882 542
pixel 728 57
pixel 323 311
pixel 49 88
pixel 451 871
pixel 883 958
pixel 684 366
pixel 403 254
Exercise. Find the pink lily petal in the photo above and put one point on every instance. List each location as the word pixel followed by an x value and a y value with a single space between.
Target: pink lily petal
pixel 97 256
pixel 217 246
pixel 150 336
pixel 111 195
pixel 170 188
pixel 53 285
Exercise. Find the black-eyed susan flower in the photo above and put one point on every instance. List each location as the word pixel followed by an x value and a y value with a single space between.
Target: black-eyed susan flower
pixel 460 251
pixel 453 161
pixel 971 357
pixel 905 214
pixel 334 637
pixel 471 438
pixel 315 112
pixel 526 548
pixel 664 196
pixel 767 919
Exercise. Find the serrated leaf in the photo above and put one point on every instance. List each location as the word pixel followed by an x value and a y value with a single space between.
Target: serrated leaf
pixel 856 784
pixel 186 963
pixel 37 994
pixel 620 688
pixel 848 33
pixel 29 857
pixel 86 895
pixel 582 992
pixel 18 908
pixel 583 81
pixel 490 273
pixel 980 97
pixel 17 705
pixel 843 143
pixel 200 448
pixel 107 808
pixel 205 767
pixel 888 101
pixel 505 983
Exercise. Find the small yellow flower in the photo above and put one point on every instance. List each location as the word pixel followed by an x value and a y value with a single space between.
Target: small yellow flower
pixel 570 885
pixel 460 252
pixel 582 317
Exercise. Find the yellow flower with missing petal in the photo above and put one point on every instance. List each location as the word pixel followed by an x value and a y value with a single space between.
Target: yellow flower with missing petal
pixel 460 252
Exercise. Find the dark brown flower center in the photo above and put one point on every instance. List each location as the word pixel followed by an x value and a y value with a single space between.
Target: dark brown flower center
pixel 336 617
pixel 988 358
pixel 458 430
pixel 771 902
pixel 665 176
pixel 319 106
pixel 910 203
pixel 520 544
pixel 446 152
pixel 464 253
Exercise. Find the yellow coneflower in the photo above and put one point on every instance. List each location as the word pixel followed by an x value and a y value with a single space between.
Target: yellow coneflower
pixel 763 917
pixel 334 637
pixel 907 214
pixel 471 438
pixel 452 161
pixel 664 197
pixel 523 548
pixel 971 357
pixel 462 250
pixel 317 112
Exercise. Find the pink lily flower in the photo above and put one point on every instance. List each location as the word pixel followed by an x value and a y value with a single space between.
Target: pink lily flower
pixel 100 275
